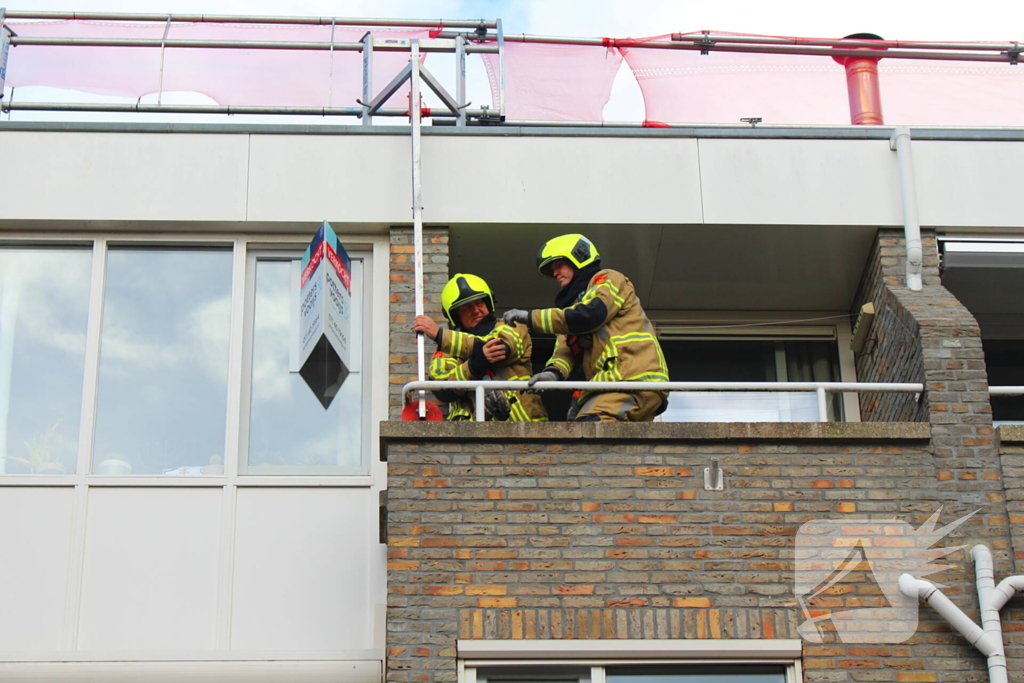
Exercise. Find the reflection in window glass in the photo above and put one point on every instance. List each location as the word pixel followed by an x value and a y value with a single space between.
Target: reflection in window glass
pixel 44 306
pixel 750 361
pixel 289 430
pixel 162 396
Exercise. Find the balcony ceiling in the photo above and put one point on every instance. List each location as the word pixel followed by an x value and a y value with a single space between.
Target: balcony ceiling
pixel 682 267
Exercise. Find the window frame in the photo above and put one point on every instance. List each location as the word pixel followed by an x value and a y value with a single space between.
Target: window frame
pixel 836 326
pixel 368 249
pixel 282 253
pixel 598 655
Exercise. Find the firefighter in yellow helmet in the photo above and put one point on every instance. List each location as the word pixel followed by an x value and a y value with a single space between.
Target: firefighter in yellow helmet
pixel 478 346
pixel 601 328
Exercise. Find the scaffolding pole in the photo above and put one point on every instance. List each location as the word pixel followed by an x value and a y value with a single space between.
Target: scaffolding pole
pixel 417 211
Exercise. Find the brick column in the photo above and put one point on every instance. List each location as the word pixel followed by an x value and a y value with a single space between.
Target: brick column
pixel 402 358
pixel 930 337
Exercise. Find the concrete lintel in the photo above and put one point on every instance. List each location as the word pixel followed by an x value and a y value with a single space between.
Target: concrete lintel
pixel 766 649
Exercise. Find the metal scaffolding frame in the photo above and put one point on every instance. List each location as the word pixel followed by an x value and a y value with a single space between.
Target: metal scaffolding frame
pixel 477 37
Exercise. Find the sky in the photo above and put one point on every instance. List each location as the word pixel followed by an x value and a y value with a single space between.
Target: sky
pixel 990 20
pixel 932 20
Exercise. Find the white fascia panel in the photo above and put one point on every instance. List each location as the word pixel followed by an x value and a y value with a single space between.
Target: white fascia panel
pixel 800 182
pixel 123 176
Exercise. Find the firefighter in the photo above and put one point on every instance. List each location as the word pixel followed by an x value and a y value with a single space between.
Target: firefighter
pixel 601 327
pixel 479 346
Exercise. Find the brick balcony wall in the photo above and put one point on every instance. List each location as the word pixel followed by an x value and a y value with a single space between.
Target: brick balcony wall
pixel 402 353
pixel 593 531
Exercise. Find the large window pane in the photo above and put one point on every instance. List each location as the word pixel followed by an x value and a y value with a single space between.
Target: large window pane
pixel 44 306
pixel 289 430
pixel 162 397
pixel 750 361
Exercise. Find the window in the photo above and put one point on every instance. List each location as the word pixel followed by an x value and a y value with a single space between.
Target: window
pixel 168 359
pixel 289 430
pixel 44 311
pixel 162 394
pixel 750 361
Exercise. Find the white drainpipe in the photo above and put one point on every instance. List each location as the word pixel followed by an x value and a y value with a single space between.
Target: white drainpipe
pixel 900 142
pixel 985 573
pixel 988 638
pixel 1005 590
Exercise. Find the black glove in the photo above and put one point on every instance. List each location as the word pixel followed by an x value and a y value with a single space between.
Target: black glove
pixel 478 363
pixel 517 315
pixel 545 375
pixel 496 405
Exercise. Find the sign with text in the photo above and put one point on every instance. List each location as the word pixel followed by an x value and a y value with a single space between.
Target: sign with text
pixel 325 314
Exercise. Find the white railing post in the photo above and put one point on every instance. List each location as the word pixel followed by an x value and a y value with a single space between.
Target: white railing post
pixel 481 413
pixel 822 404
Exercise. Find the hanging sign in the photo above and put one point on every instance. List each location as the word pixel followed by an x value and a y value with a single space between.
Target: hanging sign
pixel 325 315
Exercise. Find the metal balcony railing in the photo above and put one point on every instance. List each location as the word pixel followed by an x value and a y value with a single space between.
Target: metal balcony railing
pixel 822 389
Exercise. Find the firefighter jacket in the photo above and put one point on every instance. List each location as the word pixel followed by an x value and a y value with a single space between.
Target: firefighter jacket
pixel 606 332
pixel 452 362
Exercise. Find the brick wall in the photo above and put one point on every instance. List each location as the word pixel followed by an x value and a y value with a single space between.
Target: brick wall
pixel 893 351
pixel 930 336
pixel 402 302
pixel 606 531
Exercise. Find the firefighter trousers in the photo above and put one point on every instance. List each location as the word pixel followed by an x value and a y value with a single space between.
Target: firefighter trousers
pixel 613 406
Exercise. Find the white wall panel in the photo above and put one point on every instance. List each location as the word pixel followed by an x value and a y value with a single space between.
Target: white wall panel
pixel 340 178
pixel 560 180
pixel 969 184
pixel 151 567
pixel 480 179
pixel 800 182
pixel 123 176
pixel 302 559
pixel 35 542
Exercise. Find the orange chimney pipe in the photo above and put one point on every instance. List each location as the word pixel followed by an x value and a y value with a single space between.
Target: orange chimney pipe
pixel 862 84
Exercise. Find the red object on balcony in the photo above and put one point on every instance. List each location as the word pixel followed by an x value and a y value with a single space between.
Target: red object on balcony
pixel 411 412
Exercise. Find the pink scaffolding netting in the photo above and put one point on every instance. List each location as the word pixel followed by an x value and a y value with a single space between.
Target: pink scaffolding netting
pixel 544 82
pixel 313 78
pixel 554 82
pixel 723 87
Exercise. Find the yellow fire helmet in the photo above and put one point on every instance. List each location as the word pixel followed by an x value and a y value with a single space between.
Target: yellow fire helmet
pixel 575 248
pixel 462 289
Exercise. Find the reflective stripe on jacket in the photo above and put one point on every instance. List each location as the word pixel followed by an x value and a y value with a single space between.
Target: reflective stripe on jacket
pixel 606 331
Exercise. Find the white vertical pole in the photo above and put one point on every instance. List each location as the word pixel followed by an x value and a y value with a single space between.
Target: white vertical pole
pixel 417 210
pixel 822 405
pixel 367 76
pixel 163 52
pixel 501 70
pixel 330 70
pixel 460 79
